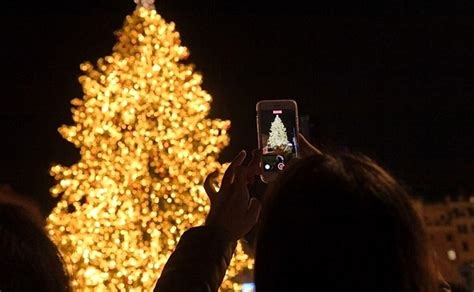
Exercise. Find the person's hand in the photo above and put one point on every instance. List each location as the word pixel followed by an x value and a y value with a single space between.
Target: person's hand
pixel 305 148
pixel 231 206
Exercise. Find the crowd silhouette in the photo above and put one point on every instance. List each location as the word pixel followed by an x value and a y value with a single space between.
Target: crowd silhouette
pixel 331 221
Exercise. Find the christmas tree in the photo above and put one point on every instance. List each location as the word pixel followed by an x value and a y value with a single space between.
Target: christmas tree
pixel 146 146
pixel 278 138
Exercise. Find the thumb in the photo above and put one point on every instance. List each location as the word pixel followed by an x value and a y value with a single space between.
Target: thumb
pixel 306 149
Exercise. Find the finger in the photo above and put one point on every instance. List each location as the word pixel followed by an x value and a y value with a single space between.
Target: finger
pixel 240 190
pixel 253 212
pixel 254 164
pixel 229 173
pixel 209 188
pixel 254 168
pixel 306 149
pixel 241 175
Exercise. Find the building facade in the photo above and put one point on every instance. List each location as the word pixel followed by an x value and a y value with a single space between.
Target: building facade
pixel 450 226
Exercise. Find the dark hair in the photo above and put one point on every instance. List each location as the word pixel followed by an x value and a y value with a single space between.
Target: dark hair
pixel 345 223
pixel 29 260
pixel 456 287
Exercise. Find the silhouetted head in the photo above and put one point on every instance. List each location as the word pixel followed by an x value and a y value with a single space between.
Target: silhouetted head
pixel 29 260
pixel 456 287
pixel 341 222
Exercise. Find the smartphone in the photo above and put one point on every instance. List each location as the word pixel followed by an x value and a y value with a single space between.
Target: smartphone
pixel 277 131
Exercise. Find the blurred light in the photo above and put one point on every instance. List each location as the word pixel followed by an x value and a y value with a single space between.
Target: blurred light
pixel 248 287
pixel 146 145
pixel 451 255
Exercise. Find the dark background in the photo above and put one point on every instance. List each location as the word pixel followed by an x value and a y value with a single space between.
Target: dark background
pixel 398 88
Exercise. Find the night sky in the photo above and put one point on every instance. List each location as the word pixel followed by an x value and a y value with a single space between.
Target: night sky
pixel 400 90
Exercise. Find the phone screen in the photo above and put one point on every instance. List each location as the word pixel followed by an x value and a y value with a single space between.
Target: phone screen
pixel 277 138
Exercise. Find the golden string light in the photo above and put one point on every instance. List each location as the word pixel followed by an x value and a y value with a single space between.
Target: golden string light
pixel 146 146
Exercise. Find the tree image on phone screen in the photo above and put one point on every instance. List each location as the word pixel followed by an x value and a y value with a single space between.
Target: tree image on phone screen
pixel 278 138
